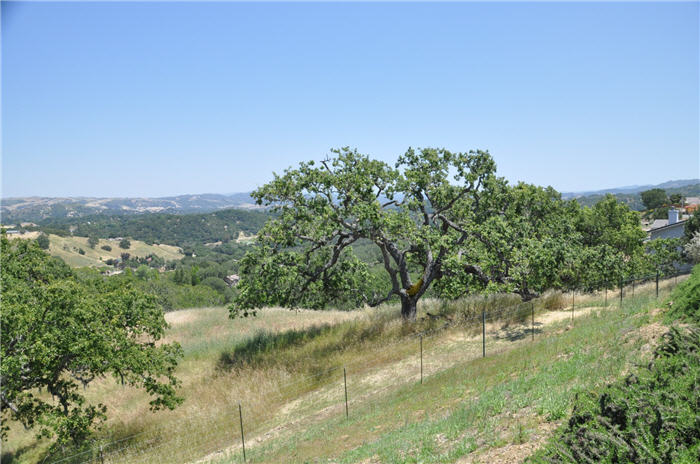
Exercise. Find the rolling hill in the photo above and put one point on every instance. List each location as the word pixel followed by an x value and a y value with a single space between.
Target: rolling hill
pixel 39 208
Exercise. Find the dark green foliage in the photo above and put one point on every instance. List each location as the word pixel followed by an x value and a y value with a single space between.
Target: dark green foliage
pixel 692 226
pixel 81 251
pixel 106 247
pixel 215 283
pixel 61 332
pixel 654 198
pixel 93 241
pixel 167 293
pixel 675 198
pixel 173 229
pixel 124 244
pixel 43 241
pixel 650 417
pixel 685 299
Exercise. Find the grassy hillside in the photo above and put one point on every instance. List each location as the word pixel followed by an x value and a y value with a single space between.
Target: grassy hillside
pixel 68 249
pixel 287 372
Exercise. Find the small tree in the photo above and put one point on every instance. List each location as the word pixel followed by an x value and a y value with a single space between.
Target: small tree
pixel 662 255
pixel 60 333
pixel 692 248
pixel 654 198
pixel 692 226
pixel 93 241
pixel 106 247
pixel 676 199
pixel 124 244
pixel 43 241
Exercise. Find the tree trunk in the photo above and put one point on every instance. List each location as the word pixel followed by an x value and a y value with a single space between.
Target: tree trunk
pixel 408 308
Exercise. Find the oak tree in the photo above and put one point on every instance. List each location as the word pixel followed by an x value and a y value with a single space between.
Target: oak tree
pixel 436 216
pixel 60 333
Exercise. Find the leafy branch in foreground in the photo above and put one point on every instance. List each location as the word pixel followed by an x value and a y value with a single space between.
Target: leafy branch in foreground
pixel 60 334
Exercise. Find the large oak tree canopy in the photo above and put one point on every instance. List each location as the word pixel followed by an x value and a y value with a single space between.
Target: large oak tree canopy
pixel 436 216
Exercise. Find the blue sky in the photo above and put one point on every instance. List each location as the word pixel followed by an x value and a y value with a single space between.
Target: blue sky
pixel 154 99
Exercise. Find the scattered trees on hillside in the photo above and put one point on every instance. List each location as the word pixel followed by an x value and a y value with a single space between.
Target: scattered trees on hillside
pixel 124 244
pixel 60 333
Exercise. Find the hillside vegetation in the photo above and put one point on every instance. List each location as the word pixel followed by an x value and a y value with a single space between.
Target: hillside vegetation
pixel 289 381
pixel 634 200
pixel 173 229
pixel 652 415
pixel 68 249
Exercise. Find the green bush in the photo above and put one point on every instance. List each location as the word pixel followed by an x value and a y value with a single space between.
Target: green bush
pixel 650 417
pixel 106 247
pixel 685 299
pixel 43 241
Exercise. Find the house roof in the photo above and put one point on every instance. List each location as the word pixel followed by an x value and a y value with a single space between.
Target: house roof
pixel 666 225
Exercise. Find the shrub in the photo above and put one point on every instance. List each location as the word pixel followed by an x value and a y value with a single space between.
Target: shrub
pixel 685 299
pixel 650 417
pixel 692 248
pixel 124 244
pixel 81 251
pixel 554 300
pixel 106 247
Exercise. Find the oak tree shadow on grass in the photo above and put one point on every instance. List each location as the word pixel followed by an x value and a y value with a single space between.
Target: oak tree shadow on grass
pixel 308 349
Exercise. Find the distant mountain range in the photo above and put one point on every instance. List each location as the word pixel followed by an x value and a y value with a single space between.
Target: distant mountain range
pixel 35 209
pixel 671 184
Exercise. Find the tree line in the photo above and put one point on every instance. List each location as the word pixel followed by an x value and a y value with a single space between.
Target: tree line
pixel 442 223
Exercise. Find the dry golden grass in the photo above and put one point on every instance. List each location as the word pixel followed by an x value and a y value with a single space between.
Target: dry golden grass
pixel 67 248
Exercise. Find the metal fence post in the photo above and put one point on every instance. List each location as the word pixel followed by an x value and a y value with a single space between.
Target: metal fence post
pixel 633 282
pixel 621 284
pixel 657 284
pixel 421 358
pixel 483 333
pixel 345 381
pixel 532 306
pixel 606 294
pixel 240 417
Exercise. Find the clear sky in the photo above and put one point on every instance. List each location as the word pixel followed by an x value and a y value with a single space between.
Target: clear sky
pixel 155 99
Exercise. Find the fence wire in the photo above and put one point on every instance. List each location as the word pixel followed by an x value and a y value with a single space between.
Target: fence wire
pixel 260 421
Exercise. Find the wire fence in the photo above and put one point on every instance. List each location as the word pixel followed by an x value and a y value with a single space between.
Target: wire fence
pixel 339 392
